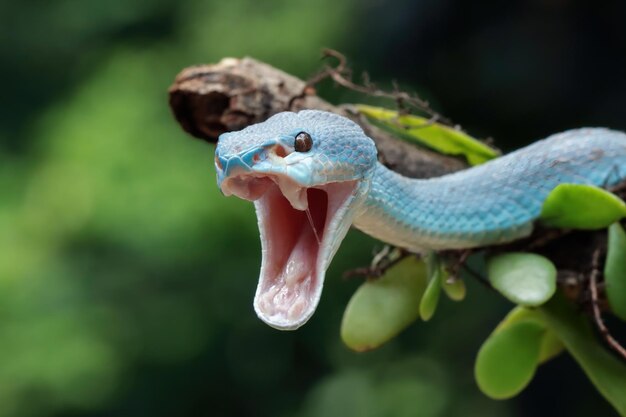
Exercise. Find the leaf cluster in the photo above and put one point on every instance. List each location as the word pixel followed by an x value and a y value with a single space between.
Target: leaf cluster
pixel 542 324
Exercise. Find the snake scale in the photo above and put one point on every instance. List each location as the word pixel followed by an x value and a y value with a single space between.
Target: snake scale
pixel 313 174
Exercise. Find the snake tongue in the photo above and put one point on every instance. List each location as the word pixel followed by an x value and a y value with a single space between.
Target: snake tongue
pixel 297 247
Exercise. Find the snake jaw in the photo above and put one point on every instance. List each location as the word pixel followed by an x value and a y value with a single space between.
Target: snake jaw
pixel 297 248
pixel 306 199
pixel 301 228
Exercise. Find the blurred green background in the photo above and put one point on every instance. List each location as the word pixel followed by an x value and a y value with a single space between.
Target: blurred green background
pixel 126 279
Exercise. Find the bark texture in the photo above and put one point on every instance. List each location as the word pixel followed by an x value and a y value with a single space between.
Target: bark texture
pixel 208 100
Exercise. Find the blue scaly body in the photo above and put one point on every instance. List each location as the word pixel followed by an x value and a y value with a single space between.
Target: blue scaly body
pixel 492 203
pixel 335 178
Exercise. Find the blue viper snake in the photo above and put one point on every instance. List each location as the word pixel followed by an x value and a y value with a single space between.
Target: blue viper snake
pixel 313 174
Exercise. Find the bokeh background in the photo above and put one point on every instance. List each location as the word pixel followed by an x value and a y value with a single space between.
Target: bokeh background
pixel 126 279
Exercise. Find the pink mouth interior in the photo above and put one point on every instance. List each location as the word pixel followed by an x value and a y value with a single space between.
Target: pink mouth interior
pixel 291 255
pixel 297 244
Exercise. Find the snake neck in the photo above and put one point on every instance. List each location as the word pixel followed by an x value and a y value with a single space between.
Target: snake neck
pixel 411 213
pixel 381 215
pixel 492 203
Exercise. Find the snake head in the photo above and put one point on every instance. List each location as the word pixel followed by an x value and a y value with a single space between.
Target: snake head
pixel 307 174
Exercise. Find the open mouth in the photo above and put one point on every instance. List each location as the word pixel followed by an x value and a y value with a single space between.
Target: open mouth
pixel 301 229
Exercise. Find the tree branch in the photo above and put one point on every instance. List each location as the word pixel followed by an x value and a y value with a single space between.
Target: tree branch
pixel 208 100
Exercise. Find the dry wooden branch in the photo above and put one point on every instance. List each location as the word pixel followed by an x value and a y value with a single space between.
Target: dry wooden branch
pixel 208 100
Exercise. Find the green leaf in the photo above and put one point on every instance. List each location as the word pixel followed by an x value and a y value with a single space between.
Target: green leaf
pixel 604 370
pixel 615 270
pixel 524 278
pixel 550 345
pixel 518 314
pixel 436 136
pixel 577 206
pixel 455 290
pixel 507 361
pixel 430 299
pixel 381 308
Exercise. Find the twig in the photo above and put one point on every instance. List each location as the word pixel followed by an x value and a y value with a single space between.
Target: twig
pixel 597 315
pixel 381 262
pixel 483 280
pixel 341 75
pixel 547 236
pixel 455 266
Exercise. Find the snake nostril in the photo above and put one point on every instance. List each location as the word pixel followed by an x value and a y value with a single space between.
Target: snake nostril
pixel 256 158
pixel 218 163
pixel 280 151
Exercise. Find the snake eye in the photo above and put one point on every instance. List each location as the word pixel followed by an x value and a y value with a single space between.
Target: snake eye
pixel 303 142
